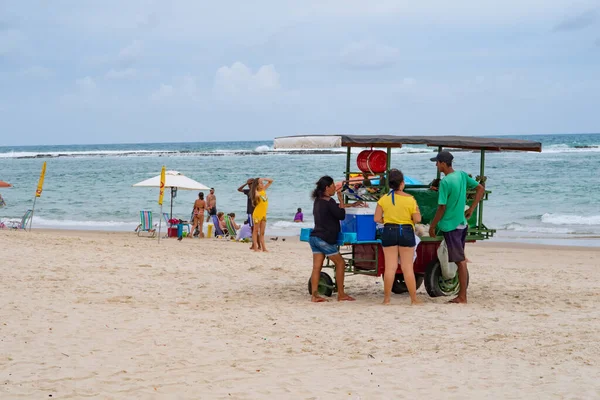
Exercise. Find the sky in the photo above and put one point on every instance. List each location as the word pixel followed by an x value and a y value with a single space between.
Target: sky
pixel 79 72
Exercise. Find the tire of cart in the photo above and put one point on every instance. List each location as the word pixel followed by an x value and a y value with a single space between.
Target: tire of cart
pixel 436 285
pixel 326 286
pixel 399 286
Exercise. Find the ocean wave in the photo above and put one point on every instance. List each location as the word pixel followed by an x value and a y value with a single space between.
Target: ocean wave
pixel 536 229
pixel 73 224
pixel 564 148
pixel 287 225
pixel 565 219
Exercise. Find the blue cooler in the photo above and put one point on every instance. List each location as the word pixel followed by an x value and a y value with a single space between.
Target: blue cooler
pixel 360 221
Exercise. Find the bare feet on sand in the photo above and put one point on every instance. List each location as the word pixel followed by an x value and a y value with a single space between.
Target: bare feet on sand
pixel 458 300
pixel 416 302
pixel 345 297
pixel 318 299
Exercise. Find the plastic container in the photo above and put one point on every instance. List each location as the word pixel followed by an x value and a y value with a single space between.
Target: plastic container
pixel 346 238
pixel 172 231
pixel 361 222
pixel 305 234
pixel 373 161
pixel 209 229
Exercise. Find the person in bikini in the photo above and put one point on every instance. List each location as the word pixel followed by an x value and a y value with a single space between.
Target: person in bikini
pixel 199 206
pixel 249 204
pixel 260 200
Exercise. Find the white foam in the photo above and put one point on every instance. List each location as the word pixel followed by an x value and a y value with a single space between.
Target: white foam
pixel 563 148
pixel 565 219
pixel 286 225
pixel 262 149
pixel 56 223
pixel 537 229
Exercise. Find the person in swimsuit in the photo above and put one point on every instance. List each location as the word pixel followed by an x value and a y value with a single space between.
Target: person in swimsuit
pixel 261 204
pixel 211 205
pixel 199 206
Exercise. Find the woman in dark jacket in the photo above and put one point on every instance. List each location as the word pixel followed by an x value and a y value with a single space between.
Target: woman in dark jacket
pixel 323 239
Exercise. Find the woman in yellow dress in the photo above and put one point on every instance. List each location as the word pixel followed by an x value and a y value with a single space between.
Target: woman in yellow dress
pixel 260 200
pixel 399 213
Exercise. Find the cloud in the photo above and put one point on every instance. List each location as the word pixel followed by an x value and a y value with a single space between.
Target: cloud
pixel 86 83
pixel 131 53
pixel 37 72
pixel 577 22
pixel 239 80
pixel 366 54
pixel 125 73
pixel 164 92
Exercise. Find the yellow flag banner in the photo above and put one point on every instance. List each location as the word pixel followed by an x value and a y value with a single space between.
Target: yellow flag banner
pixel 40 185
pixel 162 186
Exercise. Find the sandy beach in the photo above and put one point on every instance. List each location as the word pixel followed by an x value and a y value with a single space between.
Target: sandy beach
pixel 114 316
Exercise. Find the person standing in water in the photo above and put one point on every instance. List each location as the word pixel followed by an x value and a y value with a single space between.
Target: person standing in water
pixel 260 200
pixel 323 238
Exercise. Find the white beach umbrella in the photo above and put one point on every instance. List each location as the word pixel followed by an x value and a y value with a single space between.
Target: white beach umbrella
pixel 174 180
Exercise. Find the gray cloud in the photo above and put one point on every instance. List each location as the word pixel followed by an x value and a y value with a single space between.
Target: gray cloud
pixel 577 22
pixel 131 53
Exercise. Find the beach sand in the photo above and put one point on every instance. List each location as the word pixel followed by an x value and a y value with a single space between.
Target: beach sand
pixel 114 316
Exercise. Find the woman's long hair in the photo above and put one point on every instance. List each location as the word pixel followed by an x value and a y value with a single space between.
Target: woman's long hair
pixel 396 179
pixel 201 196
pixel 322 185
pixel 253 190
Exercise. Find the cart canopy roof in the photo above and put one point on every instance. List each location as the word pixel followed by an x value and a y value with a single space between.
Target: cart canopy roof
pixel 455 142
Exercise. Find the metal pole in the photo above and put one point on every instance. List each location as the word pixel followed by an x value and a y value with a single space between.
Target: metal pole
pixel 481 177
pixel 439 174
pixel 160 222
pixel 32 212
pixel 348 155
pixel 387 174
pixel 171 215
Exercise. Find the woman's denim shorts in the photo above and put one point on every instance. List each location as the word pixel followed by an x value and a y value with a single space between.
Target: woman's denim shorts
pixel 398 235
pixel 319 246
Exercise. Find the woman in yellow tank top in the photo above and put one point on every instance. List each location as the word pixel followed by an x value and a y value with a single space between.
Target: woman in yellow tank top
pixel 398 211
pixel 258 192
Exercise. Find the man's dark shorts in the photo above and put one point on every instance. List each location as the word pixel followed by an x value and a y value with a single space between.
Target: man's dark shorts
pixel 212 211
pixel 455 241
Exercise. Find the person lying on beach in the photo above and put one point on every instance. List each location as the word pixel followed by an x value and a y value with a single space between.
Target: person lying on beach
pixel 323 238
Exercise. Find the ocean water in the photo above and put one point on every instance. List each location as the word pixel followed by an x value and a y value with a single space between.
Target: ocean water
pixel 548 196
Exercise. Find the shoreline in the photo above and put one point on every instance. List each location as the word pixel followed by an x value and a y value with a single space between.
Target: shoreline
pixel 592 243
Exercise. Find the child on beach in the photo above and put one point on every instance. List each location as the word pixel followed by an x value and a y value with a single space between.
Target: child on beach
pixel 299 217
pixel 244 233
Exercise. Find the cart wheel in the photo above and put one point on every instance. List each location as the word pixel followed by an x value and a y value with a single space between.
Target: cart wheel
pixel 399 286
pixel 436 285
pixel 326 285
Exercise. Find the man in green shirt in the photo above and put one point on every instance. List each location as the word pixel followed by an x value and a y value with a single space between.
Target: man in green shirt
pixel 451 217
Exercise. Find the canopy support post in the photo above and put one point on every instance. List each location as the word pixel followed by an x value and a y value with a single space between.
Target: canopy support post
pixel 482 181
pixel 348 155
pixel 387 175
pixel 439 174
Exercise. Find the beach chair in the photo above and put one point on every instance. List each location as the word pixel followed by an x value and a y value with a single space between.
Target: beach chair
pixel 146 224
pixel 217 228
pixel 231 231
pixel 19 223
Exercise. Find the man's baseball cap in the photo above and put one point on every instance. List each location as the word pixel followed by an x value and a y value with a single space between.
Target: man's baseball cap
pixel 443 156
